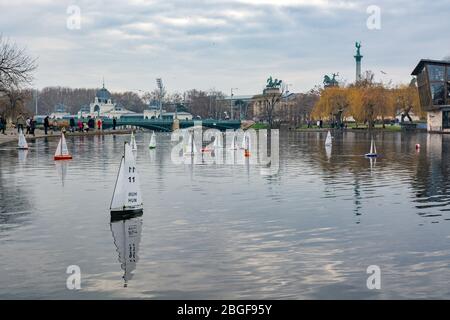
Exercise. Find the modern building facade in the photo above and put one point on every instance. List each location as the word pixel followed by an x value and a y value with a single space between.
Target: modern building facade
pixel 433 80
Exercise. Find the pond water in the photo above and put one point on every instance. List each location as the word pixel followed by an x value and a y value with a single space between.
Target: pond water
pixel 309 231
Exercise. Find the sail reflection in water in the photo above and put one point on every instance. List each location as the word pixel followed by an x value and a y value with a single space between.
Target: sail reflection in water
pixel 61 168
pixel 127 236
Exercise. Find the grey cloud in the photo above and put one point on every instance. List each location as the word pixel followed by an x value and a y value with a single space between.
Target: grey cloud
pixel 221 44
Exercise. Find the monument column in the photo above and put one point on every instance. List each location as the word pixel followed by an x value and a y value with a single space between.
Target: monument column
pixel 358 58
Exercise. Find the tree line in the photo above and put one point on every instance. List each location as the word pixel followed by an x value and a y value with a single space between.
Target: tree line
pixel 368 101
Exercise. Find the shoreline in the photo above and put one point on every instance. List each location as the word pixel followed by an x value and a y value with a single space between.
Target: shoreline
pixel 12 135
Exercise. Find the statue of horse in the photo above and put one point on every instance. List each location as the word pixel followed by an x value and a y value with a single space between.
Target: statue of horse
pixel 273 83
pixel 329 82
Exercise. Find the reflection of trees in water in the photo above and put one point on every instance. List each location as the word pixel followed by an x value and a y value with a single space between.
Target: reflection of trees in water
pixel 348 166
pixel 14 204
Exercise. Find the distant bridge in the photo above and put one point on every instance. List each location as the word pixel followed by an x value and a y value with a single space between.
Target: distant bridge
pixel 167 125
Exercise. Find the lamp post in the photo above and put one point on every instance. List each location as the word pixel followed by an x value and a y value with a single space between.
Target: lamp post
pixel 286 93
pixel 160 87
pixel 231 103
pixel 36 101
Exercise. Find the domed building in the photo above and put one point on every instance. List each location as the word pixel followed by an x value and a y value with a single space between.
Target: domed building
pixel 103 103
pixel 103 106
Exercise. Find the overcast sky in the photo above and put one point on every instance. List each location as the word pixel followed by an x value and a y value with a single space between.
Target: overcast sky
pixel 222 44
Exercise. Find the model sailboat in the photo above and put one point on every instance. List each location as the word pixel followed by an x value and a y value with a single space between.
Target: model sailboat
pixel 247 145
pixel 62 153
pixel 127 197
pixel 23 145
pixel 133 142
pixel 152 144
pixel 373 150
pixel 328 140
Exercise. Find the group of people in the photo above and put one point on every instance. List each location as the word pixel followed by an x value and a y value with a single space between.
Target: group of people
pixel 28 125
pixel 334 124
pixel 85 126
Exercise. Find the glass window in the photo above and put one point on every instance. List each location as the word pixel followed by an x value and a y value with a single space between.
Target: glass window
pixel 422 78
pixel 437 93
pixel 424 96
pixel 448 85
pixel 446 119
pixel 436 73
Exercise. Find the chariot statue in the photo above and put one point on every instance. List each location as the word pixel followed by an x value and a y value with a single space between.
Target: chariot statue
pixel 273 83
pixel 330 82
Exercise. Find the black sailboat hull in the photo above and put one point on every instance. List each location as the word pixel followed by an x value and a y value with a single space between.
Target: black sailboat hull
pixel 126 214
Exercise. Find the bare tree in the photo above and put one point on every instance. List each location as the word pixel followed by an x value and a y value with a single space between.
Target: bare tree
pixel 16 66
pixel 271 99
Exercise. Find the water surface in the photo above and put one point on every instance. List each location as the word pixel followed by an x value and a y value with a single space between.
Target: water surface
pixel 227 231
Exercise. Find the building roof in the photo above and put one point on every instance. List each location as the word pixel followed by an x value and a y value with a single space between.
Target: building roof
pixel 178 113
pixel 103 94
pixel 242 97
pixel 423 62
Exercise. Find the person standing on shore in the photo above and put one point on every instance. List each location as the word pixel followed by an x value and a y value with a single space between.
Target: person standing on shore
pixel 46 124
pixel 114 123
pixel 20 122
pixel 32 125
pixel 2 124
pixel 28 125
pixel 80 125
pixel 99 124
pixel 72 124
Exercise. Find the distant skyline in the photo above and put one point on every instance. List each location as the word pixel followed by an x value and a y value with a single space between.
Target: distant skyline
pixel 220 44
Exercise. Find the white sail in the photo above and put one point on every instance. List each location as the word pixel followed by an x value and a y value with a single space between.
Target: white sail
pixel 233 142
pixel 127 192
pixel 61 149
pixel 218 143
pixel 373 149
pixel 244 141
pixel 328 140
pixel 247 142
pixel 127 236
pixel 22 141
pixel 133 142
pixel 152 143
